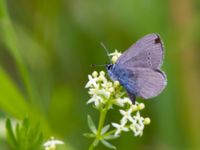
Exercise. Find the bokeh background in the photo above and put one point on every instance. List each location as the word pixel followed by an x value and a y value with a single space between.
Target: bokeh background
pixel 47 47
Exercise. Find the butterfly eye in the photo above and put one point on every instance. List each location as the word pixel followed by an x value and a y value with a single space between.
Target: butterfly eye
pixel 109 67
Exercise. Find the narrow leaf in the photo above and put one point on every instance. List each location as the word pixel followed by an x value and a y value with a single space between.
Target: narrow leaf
pixel 91 124
pixel 111 137
pixel 89 135
pixel 107 144
pixel 105 129
pixel 10 134
pixel 96 142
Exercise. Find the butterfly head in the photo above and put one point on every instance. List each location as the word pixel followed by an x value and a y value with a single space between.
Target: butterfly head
pixel 111 72
pixel 109 67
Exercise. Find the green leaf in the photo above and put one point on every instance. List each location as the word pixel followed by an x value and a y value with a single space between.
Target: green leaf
pixel 107 144
pixel 89 135
pixel 11 98
pixel 91 124
pixel 28 136
pixel 105 129
pixel 111 137
pixel 96 142
pixel 10 134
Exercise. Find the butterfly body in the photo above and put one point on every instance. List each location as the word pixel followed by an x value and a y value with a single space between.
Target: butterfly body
pixel 138 68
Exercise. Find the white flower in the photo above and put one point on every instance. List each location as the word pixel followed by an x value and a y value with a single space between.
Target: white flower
pixel 115 53
pixel 92 82
pixel 137 125
pixel 115 56
pixel 105 92
pixel 106 84
pixel 137 129
pixel 120 127
pixel 138 118
pixel 122 101
pixel 51 144
pixel 94 90
pixel 100 92
pixel 96 99
pixel 100 88
pixel 126 115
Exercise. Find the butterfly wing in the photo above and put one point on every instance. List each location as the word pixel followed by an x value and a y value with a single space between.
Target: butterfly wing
pixel 146 52
pixel 143 82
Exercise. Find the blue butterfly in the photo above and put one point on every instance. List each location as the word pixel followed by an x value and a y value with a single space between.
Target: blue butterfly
pixel 138 68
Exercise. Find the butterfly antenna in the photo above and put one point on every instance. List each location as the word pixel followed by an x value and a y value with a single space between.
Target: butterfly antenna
pixel 106 50
pixel 94 65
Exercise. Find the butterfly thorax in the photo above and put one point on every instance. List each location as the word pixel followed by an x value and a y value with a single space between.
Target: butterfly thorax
pixel 117 73
pixel 124 76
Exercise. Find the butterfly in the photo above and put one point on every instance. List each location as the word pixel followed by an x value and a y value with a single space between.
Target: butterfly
pixel 138 69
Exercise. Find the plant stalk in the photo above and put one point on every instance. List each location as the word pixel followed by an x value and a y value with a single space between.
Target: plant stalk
pixel 102 118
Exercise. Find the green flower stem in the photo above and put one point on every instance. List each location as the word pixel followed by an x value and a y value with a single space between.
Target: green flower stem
pixel 103 114
pixel 101 121
pixel 92 145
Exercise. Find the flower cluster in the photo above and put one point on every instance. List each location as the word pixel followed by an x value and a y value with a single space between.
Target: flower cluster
pixel 102 90
pixel 131 120
pixel 104 94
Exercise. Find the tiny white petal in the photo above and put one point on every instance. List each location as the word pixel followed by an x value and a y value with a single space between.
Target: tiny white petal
pixel 122 112
pixel 115 125
pixel 119 128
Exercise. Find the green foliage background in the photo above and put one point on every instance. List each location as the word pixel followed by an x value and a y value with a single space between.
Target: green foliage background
pixel 47 47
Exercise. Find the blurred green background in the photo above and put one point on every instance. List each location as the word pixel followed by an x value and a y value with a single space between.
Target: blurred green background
pixel 47 47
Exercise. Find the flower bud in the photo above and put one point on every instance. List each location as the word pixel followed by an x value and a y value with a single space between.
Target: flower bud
pixel 114 59
pixel 95 74
pixel 147 121
pixel 116 83
pixel 134 107
pixel 141 106
pixel 102 73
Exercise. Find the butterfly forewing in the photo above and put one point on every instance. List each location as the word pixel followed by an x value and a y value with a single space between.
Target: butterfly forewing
pixel 146 52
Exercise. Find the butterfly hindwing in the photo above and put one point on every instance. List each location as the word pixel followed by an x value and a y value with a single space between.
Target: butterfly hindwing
pixel 146 83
